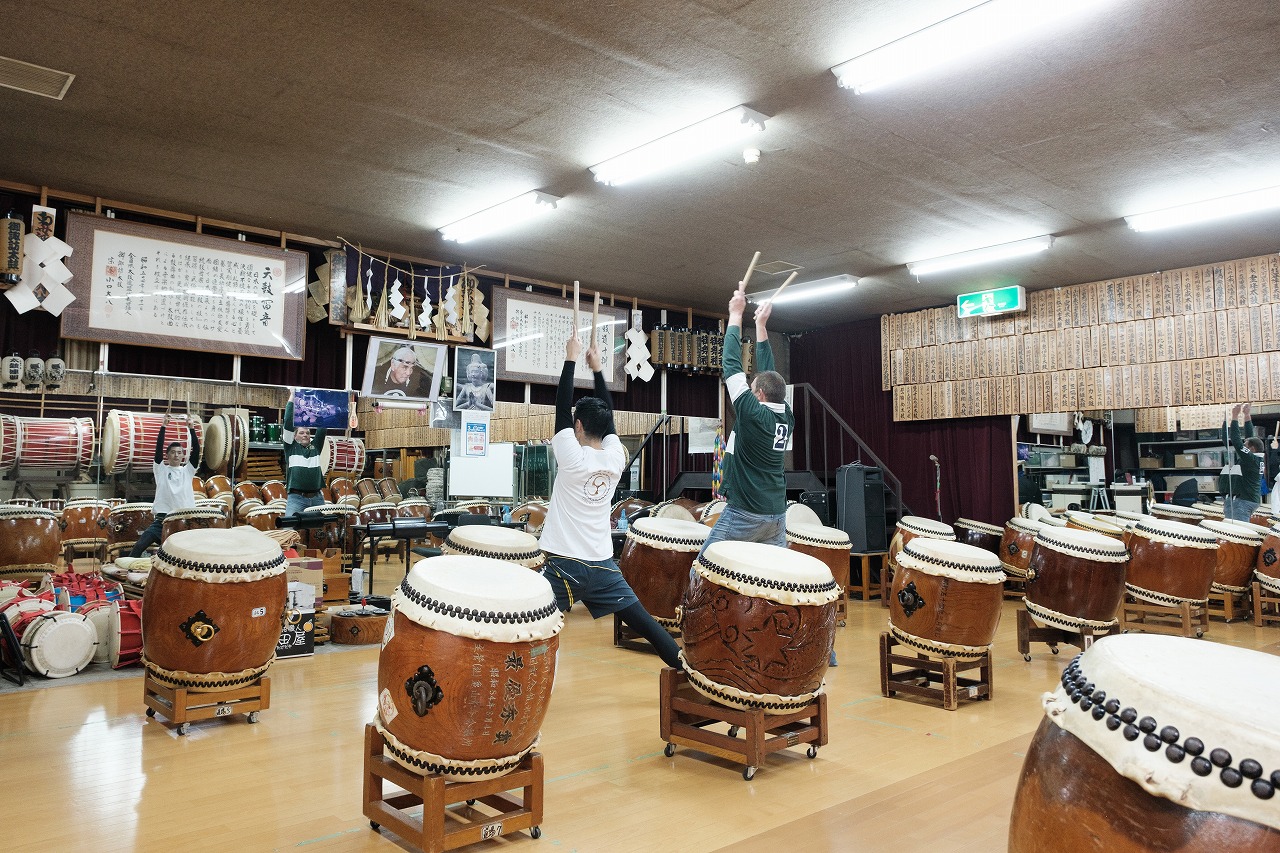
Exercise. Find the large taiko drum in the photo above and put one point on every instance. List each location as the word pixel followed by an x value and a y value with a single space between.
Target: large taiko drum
pixel 454 616
pixel 979 534
pixel 946 598
pixel 1176 512
pixel 332 533
pixel 197 488
pixel 1238 546
pixel 1034 512
pixel 1212 511
pixel 61 443
pixel 627 507
pixel 1155 743
pixel 30 542
pixel 1170 562
pixel 219 488
pixel 226 442
pixel 655 561
pixel 8 443
pixel 1076 579
pixel 213 608
pixel 340 455
pixel 1078 520
pixel 783 600
pixel 828 544
pixel 798 513
pixel 533 514
pixel 675 510
pixel 264 518
pixel 57 644
pixel 274 493
pixel 193 518
pixel 84 522
pixel 125 526
pixel 911 526
pixel 344 491
pixel 129 439
pixel 124 634
pixel 497 543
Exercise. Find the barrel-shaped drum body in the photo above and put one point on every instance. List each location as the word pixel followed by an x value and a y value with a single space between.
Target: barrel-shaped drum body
pixel 946 598
pixel 1267 569
pixel 341 455
pixel 1017 544
pixel 125 525
pixel 1238 546
pixel 828 544
pixel 332 532
pixel 911 526
pixel 129 439
pixel 656 559
pixel 533 514
pixel 627 507
pixel 1076 579
pixel 1170 562
pixel 84 522
pixel 979 534
pixel 30 542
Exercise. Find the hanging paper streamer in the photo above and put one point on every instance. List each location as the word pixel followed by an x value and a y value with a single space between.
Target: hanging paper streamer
pixel 44 275
pixel 638 366
pixel 396 300
pixel 717 461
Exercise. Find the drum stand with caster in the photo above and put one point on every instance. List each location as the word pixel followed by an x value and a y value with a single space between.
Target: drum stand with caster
pixel 1229 606
pixel 625 638
pixel 683 712
pixel 439 828
pixel 1015 589
pixel 952 687
pixel 1266 606
pixel 1183 620
pixel 180 705
pixel 1029 632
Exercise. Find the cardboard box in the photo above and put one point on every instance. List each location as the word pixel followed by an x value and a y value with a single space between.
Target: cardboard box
pixel 1068 460
pixel 330 558
pixel 298 636
pixel 306 570
pixel 1185 460
pixel 1148 462
pixel 337 589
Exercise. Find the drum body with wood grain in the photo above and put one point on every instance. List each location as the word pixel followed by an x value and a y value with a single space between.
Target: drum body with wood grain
pixel 533 514
pixel 828 544
pixel 389 489
pixel 979 534
pixel 274 493
pixel 218 487
pixel 333 532
pixel 784 601
pixel 946 599
pixel 656 558
pixel 344 491
pixel 1267 568
pixel 213 608
pixel 246 497
pixel 414 508
pixel 193 518
pixel 1238 546
pixel 30 542
pixel 367 489
pixel 911 526
pixel 711 512
pixel 457 621
pixel 1076 579
pixel 84 522
pixel 125 526
pixel 264 518
pixel 358 626
pixel 497 543
pixel 1170 563
pixel 129 439
pixel 1154 743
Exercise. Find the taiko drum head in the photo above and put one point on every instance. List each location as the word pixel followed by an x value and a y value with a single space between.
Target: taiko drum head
pixel 798 513
pixel 1077 579
pixel 672 510
pixel 58 644
pixel 499 543
pixel 1176 512
pixel 669 533
pixel 980 526
pixel 927 527
pixel 1210 510
pixel 711 512
pixel 1034 512
pixel 818 536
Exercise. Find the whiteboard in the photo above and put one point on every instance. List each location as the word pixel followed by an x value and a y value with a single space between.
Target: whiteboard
pixel 491 476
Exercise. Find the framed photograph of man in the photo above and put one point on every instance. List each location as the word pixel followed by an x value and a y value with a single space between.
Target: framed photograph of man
pixel 402 369
pixel 474 386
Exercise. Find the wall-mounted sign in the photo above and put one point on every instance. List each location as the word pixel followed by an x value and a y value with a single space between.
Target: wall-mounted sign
pixel 987 303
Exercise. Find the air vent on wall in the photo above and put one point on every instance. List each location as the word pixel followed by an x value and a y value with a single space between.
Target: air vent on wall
pixel 34 79
pixel 777 267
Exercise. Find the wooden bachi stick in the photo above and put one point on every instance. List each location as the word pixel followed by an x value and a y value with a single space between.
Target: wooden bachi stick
pixel 790 279
pixel 751 267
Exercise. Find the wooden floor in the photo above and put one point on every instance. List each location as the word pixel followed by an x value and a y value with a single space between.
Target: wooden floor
pixel 86 770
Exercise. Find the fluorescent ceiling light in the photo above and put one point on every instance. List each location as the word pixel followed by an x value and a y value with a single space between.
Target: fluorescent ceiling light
pixel 500 217
pixel 980 256
pixel 1207 211
pixel 807 289
pixel 676 148
pixel 973 31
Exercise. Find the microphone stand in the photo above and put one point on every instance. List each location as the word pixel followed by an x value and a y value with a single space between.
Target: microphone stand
pixel 937 486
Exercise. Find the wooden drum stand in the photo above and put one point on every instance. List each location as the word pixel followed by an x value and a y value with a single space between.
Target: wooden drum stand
pixel 1182 620
pixel 952 687
pixel 1029 632
pixel 1266 606
pixel 180 705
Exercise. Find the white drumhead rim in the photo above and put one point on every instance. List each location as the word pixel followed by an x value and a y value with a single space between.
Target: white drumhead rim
pixel 671 534
pixel 1177 510
pixel 55 649
pixel 767 571
pixel 194 512
pixel 957 560
pixel 15 511
pixel 245 554
pixel 479 597
pixel 1232 532
pixel 1025 525
pixel 818 535
pixel 502 543
pixel 1211 510
pixel 926 527
pixel 980 526
pixel 1083 543
pixel 1175 533
pixel 1095 523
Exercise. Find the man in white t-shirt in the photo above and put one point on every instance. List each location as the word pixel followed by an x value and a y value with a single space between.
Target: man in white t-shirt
pixel 589 461
pixel 173 473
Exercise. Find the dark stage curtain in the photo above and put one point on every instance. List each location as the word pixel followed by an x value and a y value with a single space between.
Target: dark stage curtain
pixel 842 363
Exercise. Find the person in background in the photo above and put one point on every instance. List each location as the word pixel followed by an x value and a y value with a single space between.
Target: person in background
pixel 173 473
pixel 1240 483
pixel 576 538
pixel 1028 491
pixel 302 476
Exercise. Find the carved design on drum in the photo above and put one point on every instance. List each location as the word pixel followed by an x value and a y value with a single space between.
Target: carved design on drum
pixel 1269 556
pixel 910 599
pixel 199 628
pixel 423 690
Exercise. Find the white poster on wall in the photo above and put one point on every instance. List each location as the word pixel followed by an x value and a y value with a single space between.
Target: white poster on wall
pixel 702 434
pixel 475 432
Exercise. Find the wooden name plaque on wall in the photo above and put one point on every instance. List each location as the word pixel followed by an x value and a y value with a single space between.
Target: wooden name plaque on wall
pixel 530 331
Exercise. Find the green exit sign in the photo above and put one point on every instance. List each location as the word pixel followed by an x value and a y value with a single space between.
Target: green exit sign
pixel 986 303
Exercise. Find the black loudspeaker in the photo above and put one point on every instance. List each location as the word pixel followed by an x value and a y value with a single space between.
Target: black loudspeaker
pixel 817 501
pixel 860 506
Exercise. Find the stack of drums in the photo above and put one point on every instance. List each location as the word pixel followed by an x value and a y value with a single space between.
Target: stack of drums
pixel 125 526
pixel 246 497
pixel 367 491
pixel 979 534
pixel 1094 524
pixel 912 526
pixel 193 518
pixel 389 490
pixel 1238 546
pixel 84 524
pixel 1174 512
pixel 213 609
pixel 56 644
pixel 452 615
pixel 218 487
pixel 498 543
pixel 1017 545
pixel 946 599
pixel 333 532
pixel 656 559
pixel 798 513
pixel 1155 743
pixel 1213 511
pixel 784 601
pixel 226 443
pixel 64 444
pixel 830 545
pixel 533 514
pixel 274 494
pixel 129 439
pixel 344 492
pixel 340 455
pixel 30 542
pixel 1076 580
pixel 626 507
pixel 1171 563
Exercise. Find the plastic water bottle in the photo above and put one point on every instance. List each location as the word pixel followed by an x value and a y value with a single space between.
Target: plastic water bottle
pixel 622 521
pixel 506 513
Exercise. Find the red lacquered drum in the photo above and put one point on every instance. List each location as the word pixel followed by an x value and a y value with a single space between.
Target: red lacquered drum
pixel 455 619
pixel 30 542
pixel 274 493
pixel 784 601
pixel 124 633
pixel 263 518
pixel 213 608
pixel 58 644
pixel 333 533
pixel 1152 744
pixel 1094 524
pixel 1170 562
pixel 711 512
pixel 85 522
pixel 226 442
pixel 627 507
pixel 1077 579
pixel 62 443
pixel 99 615
pixel 129 439
pixel 125 526
pixel 979 534
pixel 341 455
pixel 344 491
pixel 26 603
pixel 1238 546
pixel 911 526
pixel 828 544
pixel 655 562
pixel 8 442
pixel 1174 512
pixel 1213 511
pixel 367 489
pixel 533 514
pixel 417 508
pixel 797 513
pixel 389 490
pixel 193 518
pixel 946 598
pixel 497 543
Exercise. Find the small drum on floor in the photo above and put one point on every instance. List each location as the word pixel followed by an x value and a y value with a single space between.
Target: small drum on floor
pixel 417 508
pixel 339 455
pixel 1094 524
pixel 828 544
pixel 344 491
pixel 453 616
pixel 1170 562
pixel 1263 517
pixel 333 532
pixel 124 634
pixel 911 526
pixel 1175 512
pixel 367 489
pixel 389 489
pixel 946 599
pixel 84 522
pixel 51 504
pixel 218 487
pixel 197 487
pixel 246 496
pixel 498 543
pixel 99 615
pixel 533 514
pixel 784 601
pixel 655 562
pixel 58 644
pixel 358 626
pixel 193 518
pixel 214 604
pixel 1238 546
pixel 474 507
pixel 1076 580
pixel 979 534
pixel 125 526
pixel 1155 743
pixel 30 542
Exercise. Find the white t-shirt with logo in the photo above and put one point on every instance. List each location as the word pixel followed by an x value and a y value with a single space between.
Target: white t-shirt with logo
pixel 173 487
pixel 578 518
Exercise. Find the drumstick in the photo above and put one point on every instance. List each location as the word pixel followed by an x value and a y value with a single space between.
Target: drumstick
pixel 751 267
pixel 595 317
pixel 790 279
pixel 575 308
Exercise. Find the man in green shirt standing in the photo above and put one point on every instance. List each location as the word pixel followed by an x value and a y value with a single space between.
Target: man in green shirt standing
pixel 302 475
pixel 1240 483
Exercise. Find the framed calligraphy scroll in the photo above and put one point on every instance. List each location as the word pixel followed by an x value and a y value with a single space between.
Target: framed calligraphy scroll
pixel 142 284
pixel 530 331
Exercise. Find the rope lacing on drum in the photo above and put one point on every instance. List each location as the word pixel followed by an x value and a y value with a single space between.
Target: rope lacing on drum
pixel 767 583
pixel 948 564
pixel 1095 702
pixel 1160 597
pixel 517 557
pixel 635 533
pixel 192 565
pixel 473 615
pixel 1080 550
pixel 1185 537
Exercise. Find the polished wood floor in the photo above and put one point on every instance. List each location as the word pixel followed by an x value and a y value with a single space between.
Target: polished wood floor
pixel 86 770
